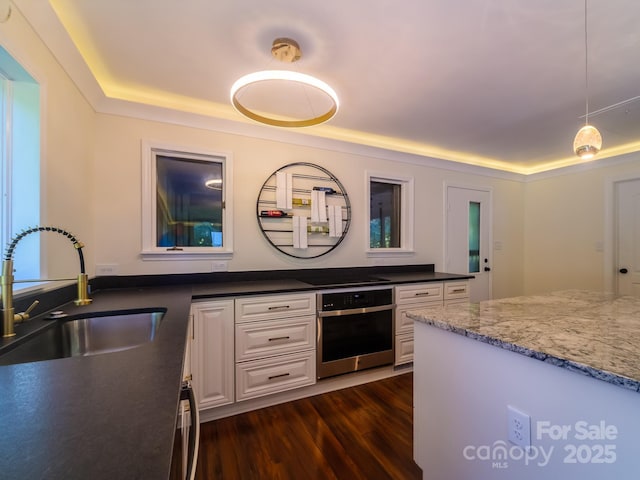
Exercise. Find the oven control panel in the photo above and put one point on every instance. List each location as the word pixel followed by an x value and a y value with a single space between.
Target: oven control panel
pixel 354 299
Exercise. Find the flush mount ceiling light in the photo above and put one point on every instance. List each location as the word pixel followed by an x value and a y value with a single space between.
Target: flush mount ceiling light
pixel 588 140
pixel 300 100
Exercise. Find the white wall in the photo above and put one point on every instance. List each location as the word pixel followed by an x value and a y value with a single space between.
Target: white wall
pixel 509 236
pixel 67 148
pixel 567 228
pixel 117 198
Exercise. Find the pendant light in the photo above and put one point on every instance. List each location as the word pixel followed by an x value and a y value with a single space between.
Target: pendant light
pixel 319 98
pixel 588 140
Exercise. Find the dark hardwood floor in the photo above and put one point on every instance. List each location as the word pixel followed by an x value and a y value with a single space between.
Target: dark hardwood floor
pixel 363 432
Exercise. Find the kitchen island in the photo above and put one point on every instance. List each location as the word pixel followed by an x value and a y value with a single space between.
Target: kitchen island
pixel 569 360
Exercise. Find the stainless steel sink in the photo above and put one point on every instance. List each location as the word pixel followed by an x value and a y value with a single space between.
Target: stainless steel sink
pixel 98 334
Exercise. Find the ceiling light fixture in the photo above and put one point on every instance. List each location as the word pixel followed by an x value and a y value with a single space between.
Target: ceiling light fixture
pixel 213 184
pixel 588 140
pixel 311 89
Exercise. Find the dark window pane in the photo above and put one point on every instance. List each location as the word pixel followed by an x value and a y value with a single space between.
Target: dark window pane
pixel 474 237
pixel 189 202
pixel 384 217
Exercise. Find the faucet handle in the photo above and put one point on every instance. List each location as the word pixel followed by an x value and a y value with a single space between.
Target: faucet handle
pixel 21 317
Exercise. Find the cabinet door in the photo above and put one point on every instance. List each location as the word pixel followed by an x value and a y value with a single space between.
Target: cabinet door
pixel 186 367
pixel 404 348
pixel 212 359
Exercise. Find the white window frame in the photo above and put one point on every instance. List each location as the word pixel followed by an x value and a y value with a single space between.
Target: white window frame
pixel 406 214
pixel 5 163
pixel 20 174
pixel 150 251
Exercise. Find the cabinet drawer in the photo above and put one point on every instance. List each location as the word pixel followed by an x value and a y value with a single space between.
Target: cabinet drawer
pixel 404 349
pixel 276 374
pixel 274 306
pixel 404 324
pixel 456 290
pixel 418 293
pixel 274 337
pixel 457 301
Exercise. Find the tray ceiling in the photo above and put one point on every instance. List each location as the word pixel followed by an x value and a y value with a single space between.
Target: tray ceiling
pixel 498 83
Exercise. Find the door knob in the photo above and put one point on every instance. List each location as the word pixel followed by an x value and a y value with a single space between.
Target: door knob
pixel 487 269
pixel 623 270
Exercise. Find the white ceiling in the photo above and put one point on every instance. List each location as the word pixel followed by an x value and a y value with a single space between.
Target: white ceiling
pixel 488 82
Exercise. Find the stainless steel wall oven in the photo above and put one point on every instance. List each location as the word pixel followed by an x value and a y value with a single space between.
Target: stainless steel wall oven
pixel 355 330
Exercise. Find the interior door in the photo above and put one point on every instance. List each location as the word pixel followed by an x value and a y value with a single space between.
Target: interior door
pixel 628 237
pixel 467 243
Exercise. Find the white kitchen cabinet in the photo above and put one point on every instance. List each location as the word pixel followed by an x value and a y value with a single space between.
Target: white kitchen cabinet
pixel 265 307
pixel 456 292
pixel 408 297
pixel 275 343
pixel 421 295
pixel 269 375
pixel 267 338
pixel 186 367
pixel 403 348
pixel 212 352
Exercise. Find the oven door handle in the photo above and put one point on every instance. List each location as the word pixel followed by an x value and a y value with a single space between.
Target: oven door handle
pixel 355 311
pixel 187 393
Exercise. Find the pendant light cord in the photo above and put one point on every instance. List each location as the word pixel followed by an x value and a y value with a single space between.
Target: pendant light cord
pixel 586 65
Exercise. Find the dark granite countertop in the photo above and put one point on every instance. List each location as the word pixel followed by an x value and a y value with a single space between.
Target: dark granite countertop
pixel 109 416
pixel 262 286
pixel 240 288
pixel 113 416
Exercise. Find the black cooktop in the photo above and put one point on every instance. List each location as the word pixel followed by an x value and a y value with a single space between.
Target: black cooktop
pixel 342 280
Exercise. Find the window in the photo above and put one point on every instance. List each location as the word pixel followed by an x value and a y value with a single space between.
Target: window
pixel 385 210
pixel 185 211
pixel 390 226
pixel 474 237
pixel 19 164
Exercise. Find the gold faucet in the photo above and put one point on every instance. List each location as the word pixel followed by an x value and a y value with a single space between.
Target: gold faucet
pixel 9 317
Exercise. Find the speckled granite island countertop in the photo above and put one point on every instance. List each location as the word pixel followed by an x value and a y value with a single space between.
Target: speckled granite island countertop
pixel 593 333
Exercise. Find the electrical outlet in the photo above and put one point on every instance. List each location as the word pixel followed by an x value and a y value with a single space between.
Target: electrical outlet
pixel 106 269
pixel 220 266
pixel 519 427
